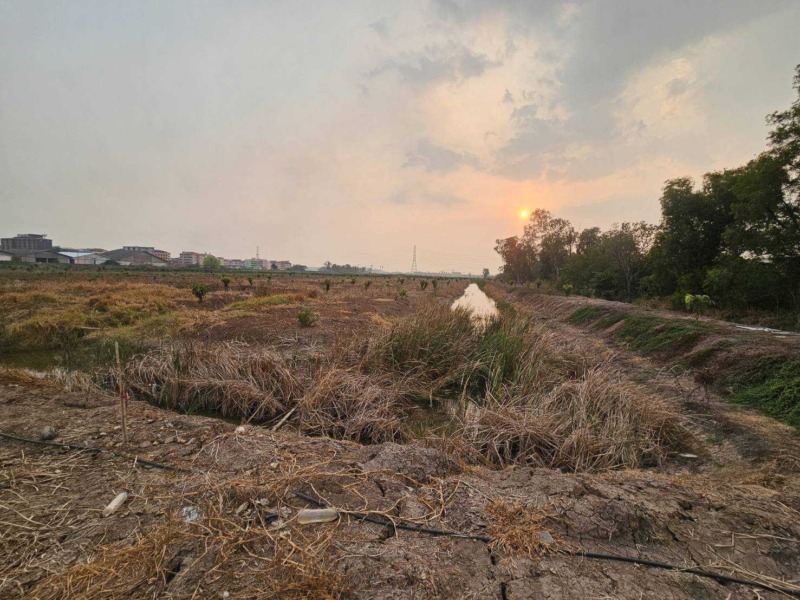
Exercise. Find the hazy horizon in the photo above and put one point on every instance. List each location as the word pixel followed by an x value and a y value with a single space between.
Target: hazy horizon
pixel 353 131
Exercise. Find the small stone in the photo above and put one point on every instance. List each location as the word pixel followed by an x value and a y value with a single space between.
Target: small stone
pixel 48 433
pixel 240 429
pixel 545 537
pixel 687 455
pixel 273 465
pixel 226 594
pixel 144 445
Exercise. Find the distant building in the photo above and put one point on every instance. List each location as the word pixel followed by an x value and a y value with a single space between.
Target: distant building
pixel 84 258
pixel 280 265
pixel 5 256
pixel 162 254
pixel 26 241
pixel 191 259
pixel 134 258
pixel 256 264
pixel 38 256
pixel 233 263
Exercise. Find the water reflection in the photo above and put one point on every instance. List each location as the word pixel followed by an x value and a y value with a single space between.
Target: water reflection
pixel 477 302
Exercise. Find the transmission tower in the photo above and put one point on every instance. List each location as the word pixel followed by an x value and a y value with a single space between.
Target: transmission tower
pixel 414 261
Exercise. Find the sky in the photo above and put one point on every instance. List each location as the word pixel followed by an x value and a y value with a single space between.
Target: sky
pixel 352 131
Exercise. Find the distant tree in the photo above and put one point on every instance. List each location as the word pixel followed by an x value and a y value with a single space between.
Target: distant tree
pixel 297 268
pixel 784 142
pixel 210 263
pixel 273 266
pixel 486 273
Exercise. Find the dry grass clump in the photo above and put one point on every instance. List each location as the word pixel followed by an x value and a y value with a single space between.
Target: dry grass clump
pixel 346 404
pixel 597 421
pixel 255 561
pixel 520 531
pixel 231 379
pixel 428 349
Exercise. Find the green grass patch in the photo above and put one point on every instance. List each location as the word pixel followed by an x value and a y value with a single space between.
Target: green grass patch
pixel 650 334
pixel 258 302
pixel 587 314
pixel 772 385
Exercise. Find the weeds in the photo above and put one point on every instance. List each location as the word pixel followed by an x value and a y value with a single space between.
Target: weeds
pixel 232 380
pixel 199 290
pixel 306 317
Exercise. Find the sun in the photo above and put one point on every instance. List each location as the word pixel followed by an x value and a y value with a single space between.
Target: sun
pixel 523 214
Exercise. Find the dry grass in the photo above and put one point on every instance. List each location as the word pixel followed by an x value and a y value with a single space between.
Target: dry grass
pixel 346 404
pixel 594 422
pixel 232 379
pixel 521 531
pixel 256 561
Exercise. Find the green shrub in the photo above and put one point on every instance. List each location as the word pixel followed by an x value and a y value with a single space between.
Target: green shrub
pixel 306 317
pixel 199 290
pixel 367 284
pixel 567 289
pixel 226 283
pixel 697 304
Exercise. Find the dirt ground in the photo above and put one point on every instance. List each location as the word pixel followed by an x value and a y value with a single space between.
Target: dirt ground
pixel 225 525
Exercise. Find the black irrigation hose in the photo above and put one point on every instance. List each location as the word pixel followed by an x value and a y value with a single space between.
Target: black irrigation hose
pixel 576 553
pixel 136 460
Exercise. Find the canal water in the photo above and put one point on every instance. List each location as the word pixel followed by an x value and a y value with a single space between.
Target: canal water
pixel 476 302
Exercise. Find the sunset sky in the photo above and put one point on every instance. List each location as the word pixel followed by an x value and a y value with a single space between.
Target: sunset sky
pixel 352 130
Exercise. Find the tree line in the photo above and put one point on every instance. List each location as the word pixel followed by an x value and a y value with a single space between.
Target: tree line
pixel 735 237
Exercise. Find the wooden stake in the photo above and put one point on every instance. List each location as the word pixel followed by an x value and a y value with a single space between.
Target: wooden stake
pixel 123 409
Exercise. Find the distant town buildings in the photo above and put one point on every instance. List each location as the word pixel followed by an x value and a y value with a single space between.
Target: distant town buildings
pixel 26 241
pixel 162 254
pixel 191 259
pixel 84 258
pixel 37 248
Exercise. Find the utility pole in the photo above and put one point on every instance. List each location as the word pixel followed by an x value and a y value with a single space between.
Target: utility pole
pixel 414 260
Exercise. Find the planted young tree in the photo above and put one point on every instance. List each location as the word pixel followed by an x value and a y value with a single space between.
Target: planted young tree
pixel 199 290
pixel 697 304
pixel 433 283
pixel 306 317
pixel 226 283
pixel 353 281
pixel 367 284
pixel 327 285
pixel 423 284
pixel 567 289
pixel 250 281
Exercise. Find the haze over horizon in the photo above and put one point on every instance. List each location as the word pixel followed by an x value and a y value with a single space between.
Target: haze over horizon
pixel 352 131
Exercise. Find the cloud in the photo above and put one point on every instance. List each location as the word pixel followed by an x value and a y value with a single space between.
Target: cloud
pixel 452 63
pixel 438 159
pixel 381 28
pixel 405 197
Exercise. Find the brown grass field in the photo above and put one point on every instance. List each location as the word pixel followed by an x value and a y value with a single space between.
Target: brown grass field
pixel 538 434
